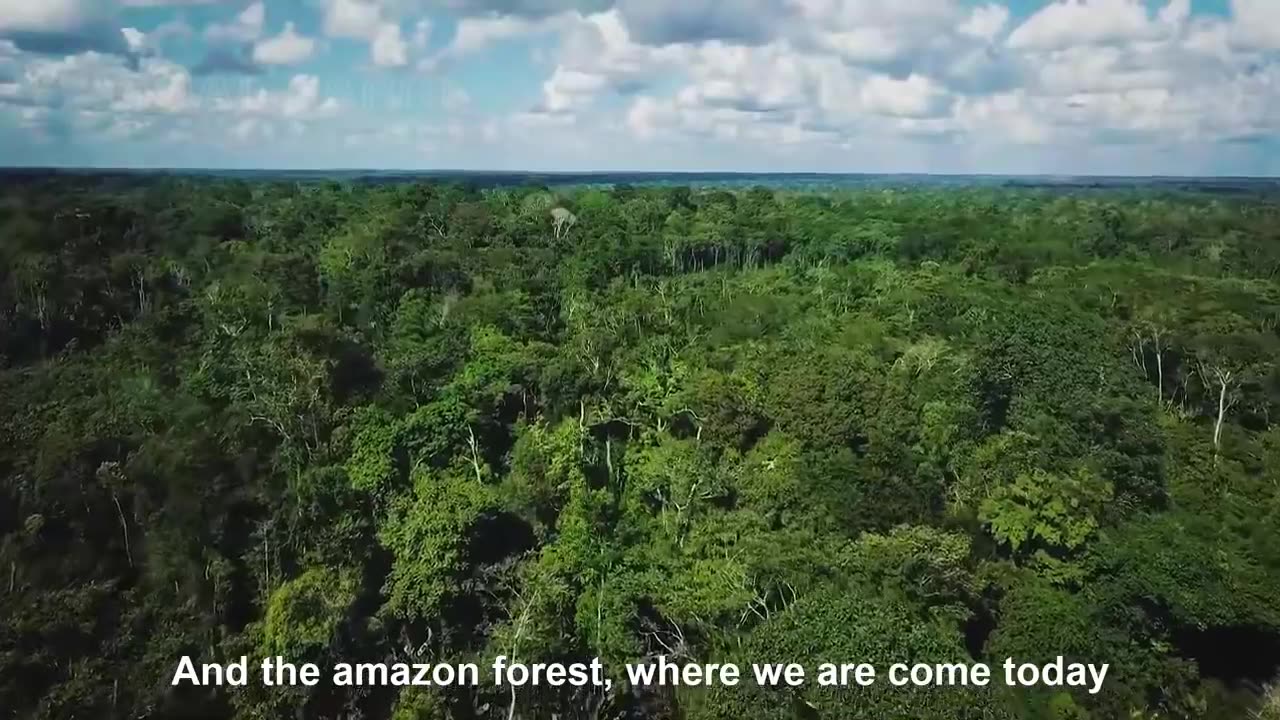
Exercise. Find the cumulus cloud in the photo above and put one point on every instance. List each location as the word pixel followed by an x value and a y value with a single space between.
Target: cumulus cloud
pixel 168 3
pixel 287 48
pixel 233 45
pixel 598 54
pixel 986 22
pixel 376 22
pixel 242 46
pixel 250 128
pixel 51 16
pixel 357 19
pixel 136 39
pixel 1070 23
pixel 1077 72
pixel 389 48
pixel 814 76
pixel 664 22
pixel 839 75
pixel 915 96
pixel 60 27
pixel 1257 24
pixel 898 37
pixel 474 34
pixel 301 100
pixel 518 8
pixel 166 88
pixel 153 42
pixel 100 84
pixel 567 89
pixel 98 97
pixel 244 28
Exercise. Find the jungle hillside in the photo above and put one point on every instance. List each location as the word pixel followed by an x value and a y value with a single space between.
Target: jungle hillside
pixel 429 422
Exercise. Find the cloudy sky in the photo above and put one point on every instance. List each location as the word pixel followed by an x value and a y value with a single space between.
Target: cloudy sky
pixel 1130 87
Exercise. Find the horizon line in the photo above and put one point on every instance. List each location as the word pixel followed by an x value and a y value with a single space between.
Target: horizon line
pixel 745 173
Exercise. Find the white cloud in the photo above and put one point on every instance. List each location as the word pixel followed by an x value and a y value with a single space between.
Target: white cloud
pixel 915 80
pixel 646 116
pixel 1211 39
pixel 871 32
pixel 520 8
pixel 136 38
pixel 668 22
pixel 251 129
pixel 763 79
pixel 166 89
pixel 378 24
pixel 865 74
pixel 127 128
pixel 1007 116
pixel 797 89
pixel 671 121
pixel 64 27
pixel 1067 23
pixel 168 3
pixel 102 98
pixel 915 96
pixel 567 89
pixel 300 100
pixel 1099 69
pixel 97 82
pixel 1256 23
pixel 865 45
pixel 600 46
pixel 61 27
pixel 245 28
pixel 51 16
pixel 477 33
pixel 389 48
pixel 986 22
pixel 287 48
pixel 1175 13
pixel 355 19
pixel 850 72
pixel 146 43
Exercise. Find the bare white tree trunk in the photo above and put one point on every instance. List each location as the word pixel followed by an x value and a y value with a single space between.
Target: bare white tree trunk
pixel 1222 411
pixel 475 455
pixel 1160 372
pixel 521 623
pixel 1224 379
pixel 124 528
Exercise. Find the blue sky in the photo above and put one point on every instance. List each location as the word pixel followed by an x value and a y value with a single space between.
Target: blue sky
pixel 1128 87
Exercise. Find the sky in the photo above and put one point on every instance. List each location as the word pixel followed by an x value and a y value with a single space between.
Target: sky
pixel 1057 87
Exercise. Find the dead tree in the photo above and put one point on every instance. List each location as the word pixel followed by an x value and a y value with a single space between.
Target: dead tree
pixel 562 220
pixel 1159 346
pixel 475 453
pixel 1224 381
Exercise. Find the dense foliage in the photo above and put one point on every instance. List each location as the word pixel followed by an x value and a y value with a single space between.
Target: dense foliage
pixel 427 423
